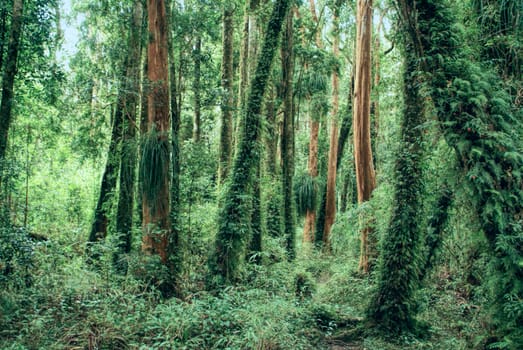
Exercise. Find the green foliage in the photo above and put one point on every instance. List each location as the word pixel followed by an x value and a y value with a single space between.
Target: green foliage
pixel 479 121
pixel 156 153
pixel 306 193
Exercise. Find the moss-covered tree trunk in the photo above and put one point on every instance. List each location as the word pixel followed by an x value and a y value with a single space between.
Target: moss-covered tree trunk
pixel 233 221
pixel 124 214
pixel 392 307
pixel 287 137
pixel 156 152
pixel 481 122
pixel 365 175
pixel 8 79
pixel 227 106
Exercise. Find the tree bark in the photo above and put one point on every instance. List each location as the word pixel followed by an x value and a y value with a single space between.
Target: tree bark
pixel 228 98
pixel 365 174
pixel 287 137
pixel 131 87
pixel 312 163
pixel 312 166
pixel 197 57
pixel 3 31
pixel 174 243
pixel 156 201
pixel 330 204
pixel 8 79
pixel 109 178
pixel 233 222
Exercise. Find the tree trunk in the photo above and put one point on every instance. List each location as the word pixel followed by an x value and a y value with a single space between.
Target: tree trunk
pixel 8 79
pixel 330 204
pixel 109 178
pixel 197 56
pixel 312 163
pixel 3 31
pixel 131 87
pixel 287 137
pixel 174 243
pixel 228 98
pixel 365 175
pixel 233 222
pixel 312 166
pixel 156 153
pixel 392 307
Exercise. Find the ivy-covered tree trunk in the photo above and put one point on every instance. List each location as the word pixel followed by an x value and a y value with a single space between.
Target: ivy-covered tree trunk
pixel 131 86
pixel 157 149
pixel 365 175
pixel 392 307
pixel 287 137
pixel 227 81
pixel 233 222
pixel 8 79
pixel 480 120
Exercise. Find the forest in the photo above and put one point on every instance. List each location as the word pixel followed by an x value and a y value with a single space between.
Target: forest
pixel 261 174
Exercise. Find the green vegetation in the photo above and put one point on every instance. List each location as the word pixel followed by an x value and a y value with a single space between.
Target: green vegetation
pixel 191 148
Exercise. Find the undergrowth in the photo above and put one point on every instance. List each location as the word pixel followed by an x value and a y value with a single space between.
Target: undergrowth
pixel 310 304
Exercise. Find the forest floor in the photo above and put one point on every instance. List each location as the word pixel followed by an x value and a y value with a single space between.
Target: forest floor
pixel 316 302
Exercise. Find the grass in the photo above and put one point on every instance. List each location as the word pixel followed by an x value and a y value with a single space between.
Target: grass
pixel 317 302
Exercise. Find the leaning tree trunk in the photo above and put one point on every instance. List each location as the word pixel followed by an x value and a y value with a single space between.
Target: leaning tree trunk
pixel 156 151
pixel 365 175
pixel 8 80
pixel 228 98
pixel 131 86
pixel 109 178
pixel 233 223
pixel 480 121
pixel 287 138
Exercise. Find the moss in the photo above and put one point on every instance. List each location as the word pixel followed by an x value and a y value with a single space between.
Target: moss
pixel 234 219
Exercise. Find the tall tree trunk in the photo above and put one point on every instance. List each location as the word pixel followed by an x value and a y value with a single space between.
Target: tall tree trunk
pixel 174 243
pixel 233 222
pixel 392 307
pixel 287 137
pixel 156 153
pixel 312 163
pixel 365 175
pixel 3 32
pixel 228 98
pixel 255 246
pixel 312 166
pixel 8 80
pixel 109 178
pixel 330 204
pixel 131 87
pixel 197 57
